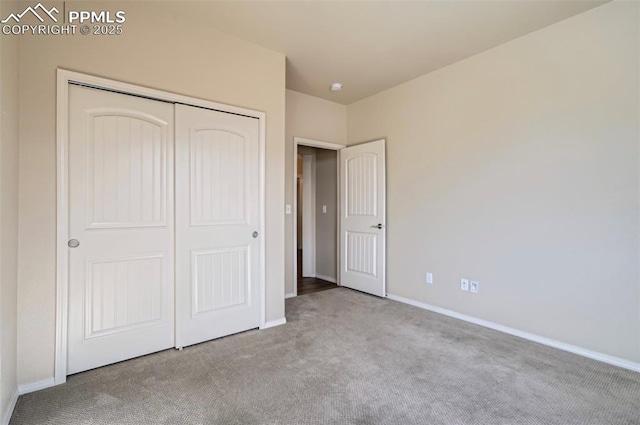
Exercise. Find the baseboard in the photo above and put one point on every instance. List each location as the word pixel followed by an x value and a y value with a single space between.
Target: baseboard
pixel 6 415
pixel 36 386
pixel 291 295
pixel 605 358
pixel 273 323
pixel 327 278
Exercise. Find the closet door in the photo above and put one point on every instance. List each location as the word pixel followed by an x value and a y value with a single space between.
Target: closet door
pixel 217 223
pixel 121 262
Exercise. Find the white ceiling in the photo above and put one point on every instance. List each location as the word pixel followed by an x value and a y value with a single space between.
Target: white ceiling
pixel 372 46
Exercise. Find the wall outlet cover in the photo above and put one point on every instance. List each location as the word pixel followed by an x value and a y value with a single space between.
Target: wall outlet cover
pixel 429 277
pixel 464 284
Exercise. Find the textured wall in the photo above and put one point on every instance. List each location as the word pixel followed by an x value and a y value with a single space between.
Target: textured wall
pixel 9 107
pixel 326 223
pixel 518 167
pixel 311 118
pixel 155 51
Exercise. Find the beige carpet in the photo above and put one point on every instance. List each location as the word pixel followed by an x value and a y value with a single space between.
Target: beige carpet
pixel 348 358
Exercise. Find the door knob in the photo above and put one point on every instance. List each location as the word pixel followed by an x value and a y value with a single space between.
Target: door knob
pixel 255 235
pixel 377 226
pixel 73 243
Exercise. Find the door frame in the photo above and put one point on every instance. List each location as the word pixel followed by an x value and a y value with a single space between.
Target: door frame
pixel 64 79
pixel 322 145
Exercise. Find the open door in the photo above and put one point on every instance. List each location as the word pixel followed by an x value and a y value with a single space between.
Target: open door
pixel 362 217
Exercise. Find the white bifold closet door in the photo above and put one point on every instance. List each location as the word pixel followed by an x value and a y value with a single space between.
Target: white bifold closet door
pixel 217 223
pixel 121 214
pixel 147 273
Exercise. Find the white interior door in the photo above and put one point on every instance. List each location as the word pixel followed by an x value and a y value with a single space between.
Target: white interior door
pixel 362 217
pixel 121 213
pixel 217 224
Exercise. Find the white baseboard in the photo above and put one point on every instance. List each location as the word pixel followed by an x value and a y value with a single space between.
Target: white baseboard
pixel 327 278
pixel 605 358
pixel 291 295
pixel 272 323
pixel 35 386
pixel 6 415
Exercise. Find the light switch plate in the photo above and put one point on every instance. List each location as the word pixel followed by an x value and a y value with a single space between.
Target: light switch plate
pixel 324 209
pixel 287 209
pixel 474 287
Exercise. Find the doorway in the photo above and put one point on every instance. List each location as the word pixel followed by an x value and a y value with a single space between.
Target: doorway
pixel 360 215
pixel 316 252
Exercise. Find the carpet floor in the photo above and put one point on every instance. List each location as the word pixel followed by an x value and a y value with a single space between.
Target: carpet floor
pixel 348 358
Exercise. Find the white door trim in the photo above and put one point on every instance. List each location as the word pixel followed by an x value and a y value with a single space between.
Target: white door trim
pixel 64 78
pixel 314 144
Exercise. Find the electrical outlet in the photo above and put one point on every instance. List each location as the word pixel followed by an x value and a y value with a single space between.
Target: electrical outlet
pixel 474 287
pixel 429 277
pixel 464 284
pixel 324 209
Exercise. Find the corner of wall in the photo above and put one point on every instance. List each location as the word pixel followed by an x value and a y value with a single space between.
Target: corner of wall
pixel 467 149
pixel 9 160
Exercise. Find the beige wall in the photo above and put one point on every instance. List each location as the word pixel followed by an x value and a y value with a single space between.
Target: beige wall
pixel 9 106
pixel 518 167
pixel 311 118
pixel 155 51
pixel 326 224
